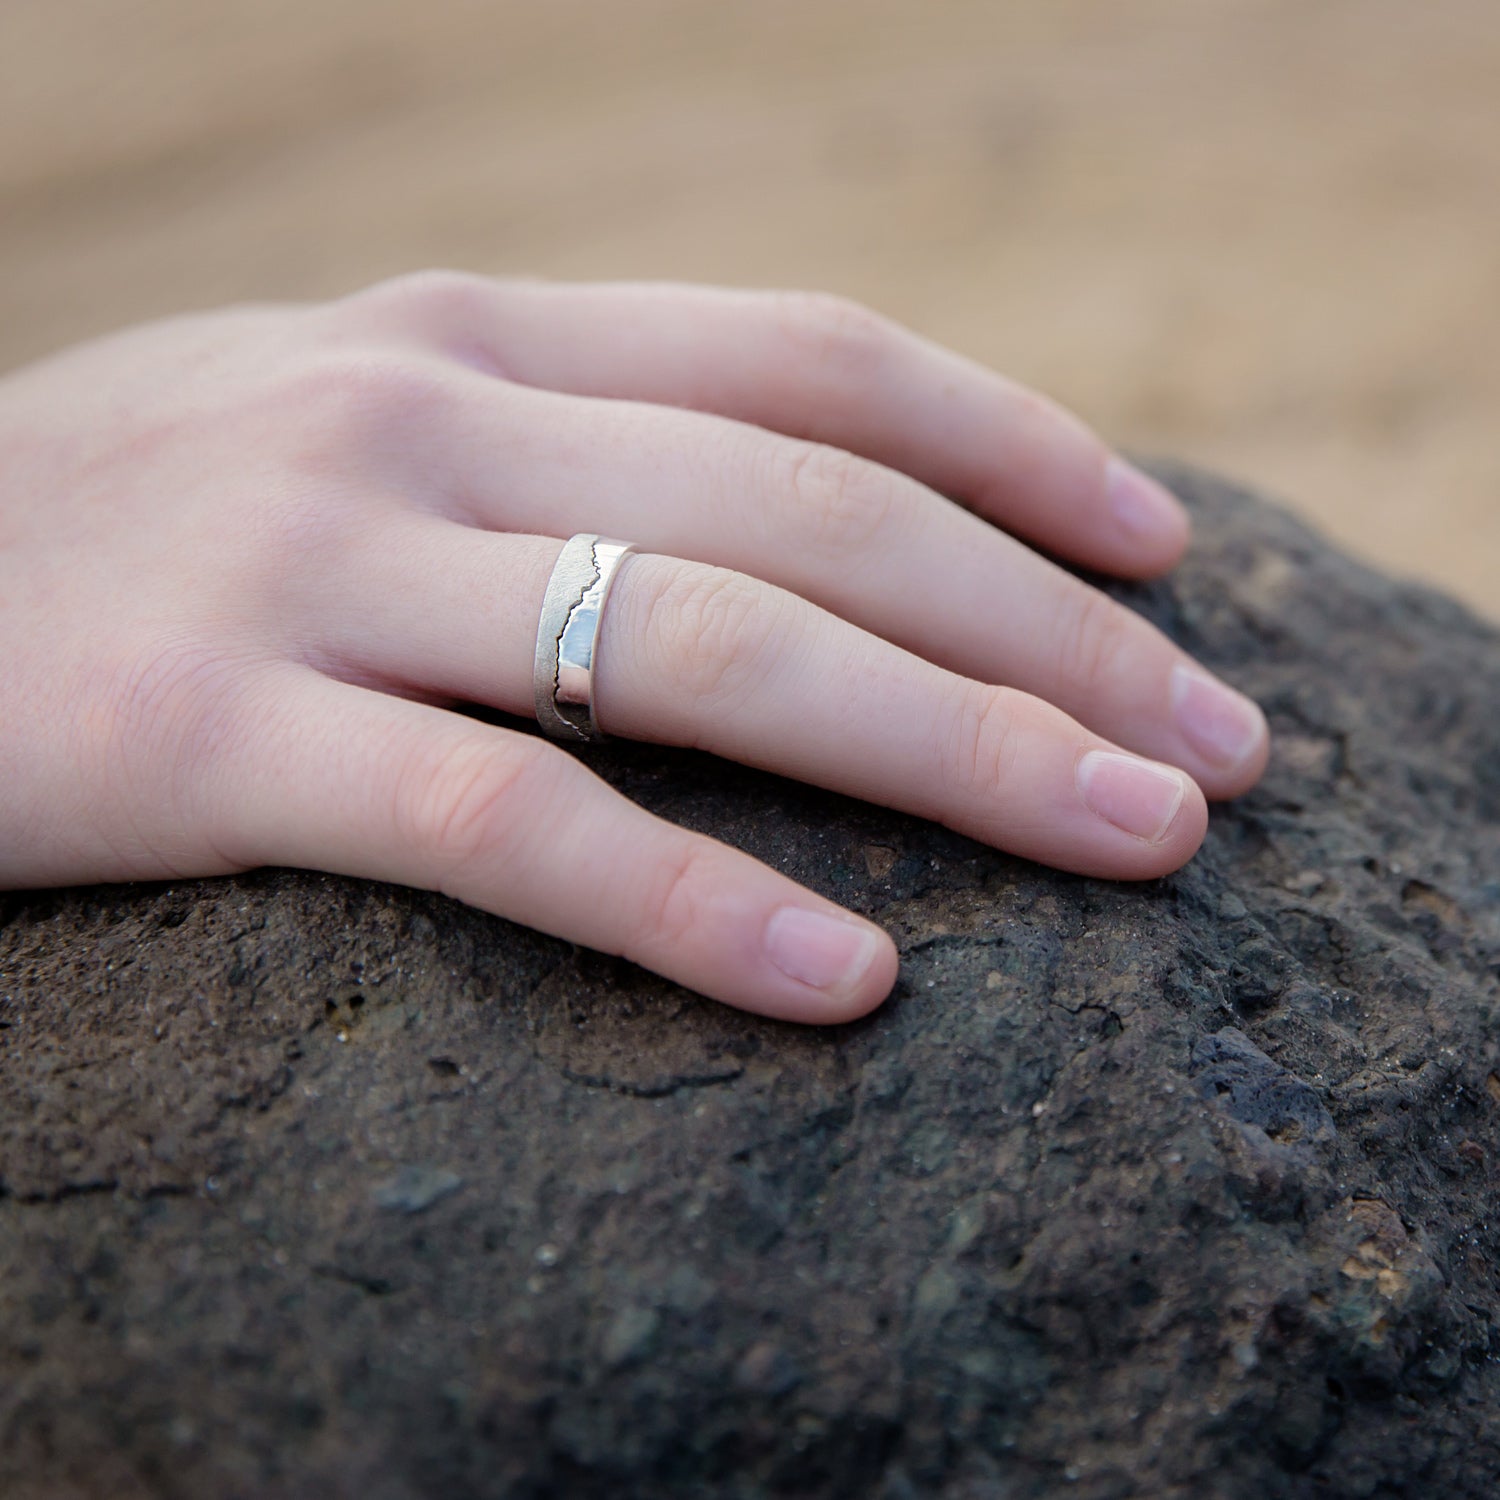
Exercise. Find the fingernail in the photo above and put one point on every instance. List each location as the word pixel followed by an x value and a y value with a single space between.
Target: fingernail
pixel 1222 725
pixel 1136 795
pixel 827 952
pixel 1141 506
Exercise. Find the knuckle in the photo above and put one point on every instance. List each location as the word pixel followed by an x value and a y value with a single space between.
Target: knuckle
pixel 451 313
pixel 1033 410
pixel 832 330
pixel 360 394
pixel 170 703
pixel 842 503
pixel 1088 640
pixel 435 297
pixel 671 903
pixel 717 632
pixel 336 419
pixel 177 714
pixel 471 808
pixel 986 724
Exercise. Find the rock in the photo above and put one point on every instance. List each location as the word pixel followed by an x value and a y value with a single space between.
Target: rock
pixel 630 1335
pixel 1170 1191
pixel 414 1189
pixel 1260 1092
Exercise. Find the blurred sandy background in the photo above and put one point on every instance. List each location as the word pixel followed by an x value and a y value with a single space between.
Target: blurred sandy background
pixel 1263 234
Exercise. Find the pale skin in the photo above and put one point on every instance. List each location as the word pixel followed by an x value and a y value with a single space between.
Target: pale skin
pixel 250 560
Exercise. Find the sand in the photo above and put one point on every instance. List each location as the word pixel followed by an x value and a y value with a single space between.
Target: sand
pixel 1260 234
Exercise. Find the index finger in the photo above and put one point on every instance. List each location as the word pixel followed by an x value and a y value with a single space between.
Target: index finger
pixel 820 367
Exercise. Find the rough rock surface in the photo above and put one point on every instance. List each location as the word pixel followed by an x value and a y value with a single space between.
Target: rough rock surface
pixel 317 1188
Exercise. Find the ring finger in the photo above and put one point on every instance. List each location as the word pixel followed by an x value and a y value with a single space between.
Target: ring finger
pixel 863 541
pixel 701 656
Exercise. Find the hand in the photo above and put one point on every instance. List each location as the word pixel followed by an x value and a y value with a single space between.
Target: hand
pixel 245 558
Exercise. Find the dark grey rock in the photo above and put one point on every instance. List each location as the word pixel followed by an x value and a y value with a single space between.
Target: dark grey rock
pixel 1258 1091
pixel 415 1188
pixel 996 1241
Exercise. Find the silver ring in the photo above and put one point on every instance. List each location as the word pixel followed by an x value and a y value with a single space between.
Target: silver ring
pixel 567 633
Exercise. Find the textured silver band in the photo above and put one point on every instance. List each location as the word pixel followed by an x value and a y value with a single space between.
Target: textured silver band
pixel 567 633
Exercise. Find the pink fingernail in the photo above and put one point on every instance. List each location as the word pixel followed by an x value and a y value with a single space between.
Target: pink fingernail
pixel 1137 796
pixel 827 952
pixel 1223 726
pixel 1141 506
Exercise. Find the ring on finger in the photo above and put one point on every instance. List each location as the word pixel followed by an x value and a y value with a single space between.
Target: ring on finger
pixel 568 632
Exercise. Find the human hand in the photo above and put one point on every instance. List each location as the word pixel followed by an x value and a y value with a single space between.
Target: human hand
pixel 246 557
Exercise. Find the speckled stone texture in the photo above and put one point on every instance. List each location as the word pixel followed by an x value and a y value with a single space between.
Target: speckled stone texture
pixel 310 1187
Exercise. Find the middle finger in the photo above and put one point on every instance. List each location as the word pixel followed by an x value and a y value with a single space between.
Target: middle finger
pixel 866 543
